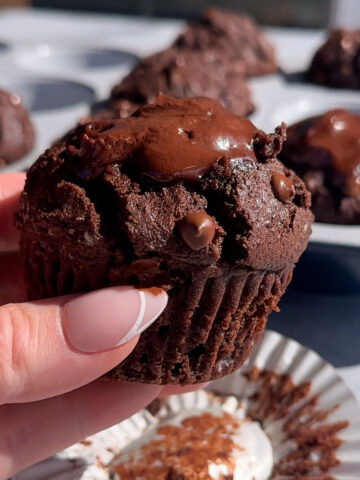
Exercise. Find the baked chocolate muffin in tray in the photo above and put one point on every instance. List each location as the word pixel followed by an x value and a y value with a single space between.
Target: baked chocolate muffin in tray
pixel 326 284
pixel 52 103
pixel 17 131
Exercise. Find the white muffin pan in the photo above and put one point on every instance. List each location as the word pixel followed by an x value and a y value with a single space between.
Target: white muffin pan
pixel 33 26
pixel 3 48
pixel 62 63
pixel 45 58
pixel 41 94
pixel 295 103
pixel 100 67
pixel 53 104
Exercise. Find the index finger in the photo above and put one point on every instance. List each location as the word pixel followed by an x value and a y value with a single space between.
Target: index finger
pixel 11 185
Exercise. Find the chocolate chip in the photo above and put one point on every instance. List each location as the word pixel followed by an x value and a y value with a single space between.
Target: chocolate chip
pixel 197 230
pixel 283 187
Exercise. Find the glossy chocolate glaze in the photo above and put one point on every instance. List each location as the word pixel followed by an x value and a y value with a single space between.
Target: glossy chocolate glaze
pixel 168 140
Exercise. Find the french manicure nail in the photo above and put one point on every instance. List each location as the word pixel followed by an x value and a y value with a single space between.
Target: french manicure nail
pixel 107 318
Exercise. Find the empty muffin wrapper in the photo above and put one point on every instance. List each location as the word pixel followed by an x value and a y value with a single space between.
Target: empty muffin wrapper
pixel 305 408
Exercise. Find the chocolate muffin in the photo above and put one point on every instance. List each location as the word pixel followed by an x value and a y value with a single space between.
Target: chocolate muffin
pixel 182 74
pixel 210 58
pixel 230 35
pixel 183 195
pixel 325 151
pixel 16 130
pixel 337 62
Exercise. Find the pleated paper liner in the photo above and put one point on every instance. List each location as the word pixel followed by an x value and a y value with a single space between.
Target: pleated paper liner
pixel 211 322
pixel 208 328
pixel 307 411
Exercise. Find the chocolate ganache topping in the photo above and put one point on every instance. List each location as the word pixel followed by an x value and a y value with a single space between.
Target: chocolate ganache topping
pixel 336 136
pixel 168 140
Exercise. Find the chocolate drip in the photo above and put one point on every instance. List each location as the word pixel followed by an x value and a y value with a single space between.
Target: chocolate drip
pixel 169 140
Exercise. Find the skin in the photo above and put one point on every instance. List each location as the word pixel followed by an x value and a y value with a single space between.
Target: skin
pixel 50 397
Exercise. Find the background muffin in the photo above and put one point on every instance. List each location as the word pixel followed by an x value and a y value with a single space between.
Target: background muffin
pixel 234 36
pixel 210 58
pixel 182 74
pixel 325 151
pixel 186 195
pixel 337 62
pixel 16 130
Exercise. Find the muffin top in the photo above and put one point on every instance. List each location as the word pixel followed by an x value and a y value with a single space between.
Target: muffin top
pixel 182 181
pixel 336 62
pixel 16 130
pixel 236 36
pixel 325 151
pixel 331 143
pixel 183 74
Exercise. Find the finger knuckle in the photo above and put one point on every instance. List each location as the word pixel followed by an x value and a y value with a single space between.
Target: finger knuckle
pixel 15 338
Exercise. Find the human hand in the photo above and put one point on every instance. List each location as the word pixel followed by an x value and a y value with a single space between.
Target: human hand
pixel 52 351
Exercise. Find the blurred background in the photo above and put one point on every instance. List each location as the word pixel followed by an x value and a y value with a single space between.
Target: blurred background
pixel 301 13
pixel 288 13
pixel 274 12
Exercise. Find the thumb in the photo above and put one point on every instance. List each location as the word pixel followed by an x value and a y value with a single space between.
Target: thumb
pixel 50 347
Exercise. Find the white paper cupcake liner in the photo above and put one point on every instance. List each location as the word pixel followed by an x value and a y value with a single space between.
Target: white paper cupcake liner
pixel 284 358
